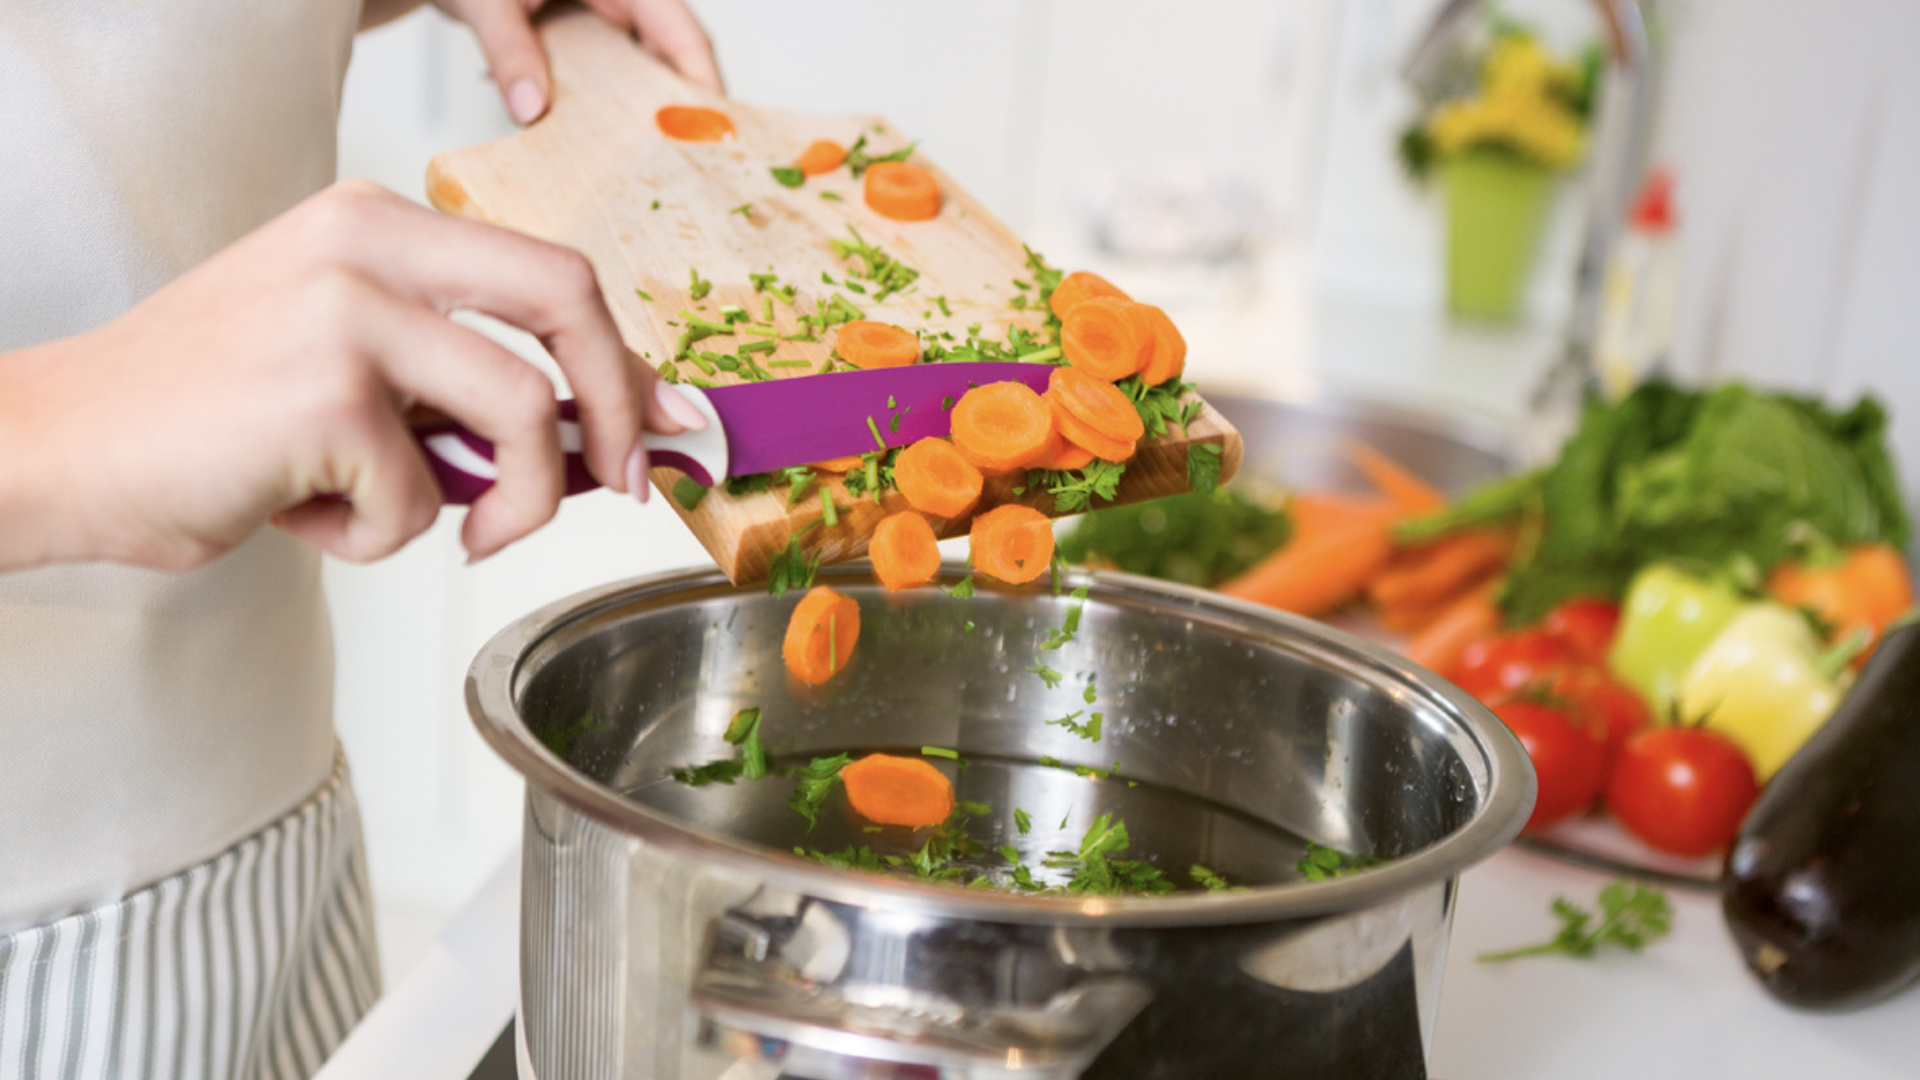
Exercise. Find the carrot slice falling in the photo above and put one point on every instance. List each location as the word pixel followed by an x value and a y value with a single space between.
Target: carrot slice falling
pixel 936 479
pixel 821 635
pixel 1097 403
pixel 1077 432
pixel 820 156
pixel 902 191
pixel 1013 543
pixel 1105 338
pixel 889 790
pixel 1167 352
pixel 694 123
pixel 904 551
pixel 1003 425
pixel 839 464
pixel 865 343
pixel 1081 285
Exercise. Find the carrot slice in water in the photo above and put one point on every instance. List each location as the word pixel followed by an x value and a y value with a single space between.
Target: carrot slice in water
pixel 1096 403
pixel 936 479
pixel 820 156
pixel 1013 543
pixel 905 553
pixel 821 635
pixel 1167 353
pixel 902 191
pixel 865 343
pixel 889 790
pixel 1081 285
pixel 694 123
pixel 1003 425
pixel 1077 432
pixel 1105 338
pixel 839 464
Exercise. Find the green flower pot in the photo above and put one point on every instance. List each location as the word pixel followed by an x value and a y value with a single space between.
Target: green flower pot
pixel 1496 206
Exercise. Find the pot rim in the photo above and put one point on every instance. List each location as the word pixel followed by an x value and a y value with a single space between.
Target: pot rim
pixel 1502 769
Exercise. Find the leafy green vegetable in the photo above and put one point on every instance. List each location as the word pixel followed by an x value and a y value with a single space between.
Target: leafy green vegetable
pixel 1089 731
pixel 1707 477
pixel 788 176
pixel 962 591
pixel 724 771
pixel 744 732
pixel 1076 490
pixel 1047 675
pixel 1097 871
pixel 1193 539
pixel 688 492
pixel 560 740
pixel 888 274
pixel 792 568
pixel 698 287
pixel 1022 821
pixel 813 783
pixel 1207 879
pixel 1321 863
pixel 858 160
pixel 1631 916
pixel 853 858
pixel 1058 638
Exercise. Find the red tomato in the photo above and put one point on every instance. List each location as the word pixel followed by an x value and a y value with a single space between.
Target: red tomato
pixel 1568 758
pixel 1586 625
pixel 1496 667
pixel 1682 790
pixel 1606 702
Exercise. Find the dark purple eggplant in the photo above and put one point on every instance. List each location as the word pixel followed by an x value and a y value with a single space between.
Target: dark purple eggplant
pixel 1822 889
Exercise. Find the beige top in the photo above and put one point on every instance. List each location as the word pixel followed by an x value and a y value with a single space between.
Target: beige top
pixel 149 721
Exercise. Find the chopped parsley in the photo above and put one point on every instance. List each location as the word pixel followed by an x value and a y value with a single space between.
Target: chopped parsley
pixel 698 287
pixel 1047 675
pixel 940 752
pixel 1203 467
pixel 961 591
pixel 1022 821
pixel 1207 879
pixel 1321 863
pixel 858 160
pixel 744 732
pixel 1631 917
pixel 745 210
pixel 1058 638
pixel 813 782
pixel 792 568
pixel 1075 490
pixel 1089 731
pixel 788 176
pixel 688 492
pixel 888 274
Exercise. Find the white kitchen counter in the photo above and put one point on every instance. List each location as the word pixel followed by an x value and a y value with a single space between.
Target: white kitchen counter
pixel 1684 1008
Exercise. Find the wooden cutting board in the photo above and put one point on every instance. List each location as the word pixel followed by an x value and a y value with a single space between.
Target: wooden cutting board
pixel 650 212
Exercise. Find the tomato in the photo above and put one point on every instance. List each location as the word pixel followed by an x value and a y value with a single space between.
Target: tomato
pixel 1610 704
pixel 1498 666
pixel 1587 626
pixel 1682 790
pixel 1568 757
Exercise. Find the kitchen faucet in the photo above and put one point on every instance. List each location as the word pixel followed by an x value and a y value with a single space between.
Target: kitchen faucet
pixel 1619 141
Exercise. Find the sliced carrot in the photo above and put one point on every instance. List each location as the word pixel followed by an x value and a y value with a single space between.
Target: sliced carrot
pixel 1071 456
pixel 936 479
pixel 1439 571
pixel 1105 337
pixel 1313 512
pixel 1167 355
pixel 1472 618
pixel 902 191
pixel 820 156
pixel 1097 403
pixel 1076 431
pixel 889 790
pixel 1408 492
pixel 904 551
pixel 1081 285
pixel 821 635
pixel 1003 425
pixel 839 464
pixel 694 123
pixel 865 343
pixel 1013 543
pixel 1321 568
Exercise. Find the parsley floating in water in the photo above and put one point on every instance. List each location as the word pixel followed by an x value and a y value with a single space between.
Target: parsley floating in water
pixel 813 783
pixel 940 751
pixel 1022 821
pixel 1321 863
pixel 561 740
pixel 688 492
pixel 1207 879
pixel 1089 731
pixel 1097 871
pixel 1058 638
pixel 1088 695
pixel 788 176
pixel 744 732
pixel 1047 675
pixel 724 771
pixel 1631 916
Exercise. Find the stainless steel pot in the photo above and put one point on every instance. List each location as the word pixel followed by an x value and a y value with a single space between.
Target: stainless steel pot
pixel 660 940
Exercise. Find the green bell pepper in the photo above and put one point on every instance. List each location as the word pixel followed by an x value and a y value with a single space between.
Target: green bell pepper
pixel 1667 618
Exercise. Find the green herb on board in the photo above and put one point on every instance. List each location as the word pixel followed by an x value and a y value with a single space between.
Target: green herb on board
pixel 788 176
pixel 1075 490
pixel 688 492
pixel 1203 467
pixel 698 287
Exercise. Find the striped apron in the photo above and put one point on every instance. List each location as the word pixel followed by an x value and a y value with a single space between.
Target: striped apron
pixel 254 964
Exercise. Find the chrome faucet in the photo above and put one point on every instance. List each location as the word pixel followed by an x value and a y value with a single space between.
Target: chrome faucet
pixel 1620 137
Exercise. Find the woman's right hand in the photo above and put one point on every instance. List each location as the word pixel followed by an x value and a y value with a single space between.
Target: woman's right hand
pixel 271 383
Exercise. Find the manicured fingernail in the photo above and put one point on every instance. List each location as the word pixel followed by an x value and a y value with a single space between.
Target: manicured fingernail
pixel 637 485
pixel 525 101
pixel 684 412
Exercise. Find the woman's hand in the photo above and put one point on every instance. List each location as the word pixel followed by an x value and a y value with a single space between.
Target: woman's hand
pixel 667 29
pixel 272 382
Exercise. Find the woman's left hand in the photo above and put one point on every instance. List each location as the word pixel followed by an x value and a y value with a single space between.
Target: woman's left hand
pixel 667 29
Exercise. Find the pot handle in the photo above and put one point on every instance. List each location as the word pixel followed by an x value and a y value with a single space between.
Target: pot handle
pixel 832 991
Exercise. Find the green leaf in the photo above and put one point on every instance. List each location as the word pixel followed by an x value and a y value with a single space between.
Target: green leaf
pixel 1022 821
pixel 1321 863
pixel 788 176
pixel 1203 467
pixel 813 783
pixel 1047 675
pixel 1207 879
pixel 688 492
pixel 725 771
pixel 697 286
pixel 1631 917
pixel 744 731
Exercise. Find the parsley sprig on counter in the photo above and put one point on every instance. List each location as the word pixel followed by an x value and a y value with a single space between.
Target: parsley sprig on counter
pixel 1631 917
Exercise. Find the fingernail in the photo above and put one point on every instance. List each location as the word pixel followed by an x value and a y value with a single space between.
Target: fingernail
pixel 684 412
pixel 637 485
pixel 525 101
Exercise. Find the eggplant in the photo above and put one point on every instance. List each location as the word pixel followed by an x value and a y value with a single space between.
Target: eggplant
pixel 1822 886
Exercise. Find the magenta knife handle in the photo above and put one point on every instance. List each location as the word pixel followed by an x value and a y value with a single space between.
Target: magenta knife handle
pixel 462 462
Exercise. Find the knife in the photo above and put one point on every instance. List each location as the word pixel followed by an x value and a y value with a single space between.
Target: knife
pixel 757 427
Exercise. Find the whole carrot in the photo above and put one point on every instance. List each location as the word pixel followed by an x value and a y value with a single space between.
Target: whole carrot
pixel 1440 570
pixel 1472 618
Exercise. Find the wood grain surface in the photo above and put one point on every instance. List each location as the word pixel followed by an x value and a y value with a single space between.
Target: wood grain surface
pixel 649 212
